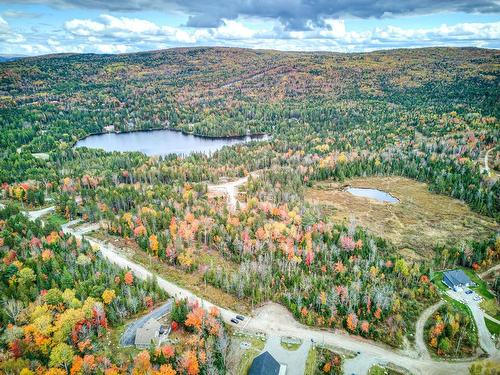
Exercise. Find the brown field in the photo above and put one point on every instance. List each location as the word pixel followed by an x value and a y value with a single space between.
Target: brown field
pixel 416 225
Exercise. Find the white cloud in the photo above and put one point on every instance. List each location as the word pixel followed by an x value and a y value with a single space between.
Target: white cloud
pixel 233 30
pixel 110 34
pixel 111 48
pixel 7 35
pixel 83 27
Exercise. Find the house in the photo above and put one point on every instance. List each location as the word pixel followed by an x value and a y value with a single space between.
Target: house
pixel 265 364
pixel 150 333
pixel 108 129
pixel 456 280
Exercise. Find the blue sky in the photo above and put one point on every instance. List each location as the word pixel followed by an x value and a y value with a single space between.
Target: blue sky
pixel 40 27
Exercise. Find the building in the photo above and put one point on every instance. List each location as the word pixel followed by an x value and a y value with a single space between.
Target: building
pixel 456 280
pixel 265 364
pixel 150 333
pixel 108 129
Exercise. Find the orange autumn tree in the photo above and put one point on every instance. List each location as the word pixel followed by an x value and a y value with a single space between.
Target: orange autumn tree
pixel 190 363
pixel 195 318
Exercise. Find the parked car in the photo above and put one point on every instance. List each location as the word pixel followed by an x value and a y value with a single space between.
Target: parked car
pixel 469 291
pixel 477 298
pixel 235 321
pixel 240 317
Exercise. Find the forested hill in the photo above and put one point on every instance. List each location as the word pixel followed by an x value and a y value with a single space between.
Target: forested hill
pixel 427 113
pixel 198 89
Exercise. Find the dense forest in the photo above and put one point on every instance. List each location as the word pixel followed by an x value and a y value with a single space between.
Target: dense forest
pixel 426 114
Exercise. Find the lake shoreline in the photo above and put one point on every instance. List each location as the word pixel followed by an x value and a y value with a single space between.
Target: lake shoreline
pixel 222 137
pixel 162 141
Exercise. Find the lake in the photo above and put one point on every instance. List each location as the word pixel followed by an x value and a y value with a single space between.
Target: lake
pixel 379 195
pixel 161 142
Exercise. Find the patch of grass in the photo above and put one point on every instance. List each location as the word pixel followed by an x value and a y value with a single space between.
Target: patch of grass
pixel 56 219
pixel 290 347
pixel 111 344
pixel 249 354
pixel 437 279
pixel 379 370
pixel 493 327
pixel 311 364
pixel 491 308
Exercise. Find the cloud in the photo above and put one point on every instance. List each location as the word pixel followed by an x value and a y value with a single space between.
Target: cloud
pixel 20 14
pixel 110 34
pixel 7 35
pixel 294 14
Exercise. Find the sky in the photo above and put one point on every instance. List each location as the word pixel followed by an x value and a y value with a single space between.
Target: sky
pixel 36 27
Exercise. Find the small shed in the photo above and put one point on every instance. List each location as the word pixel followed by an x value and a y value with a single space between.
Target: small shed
pixel 456 280
pixel 265 364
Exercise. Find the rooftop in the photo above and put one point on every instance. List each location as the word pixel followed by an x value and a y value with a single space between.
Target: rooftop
pixel 264 364
pixel 457 277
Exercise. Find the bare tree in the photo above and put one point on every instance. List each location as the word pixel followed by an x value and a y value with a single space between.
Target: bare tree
pixel 13 308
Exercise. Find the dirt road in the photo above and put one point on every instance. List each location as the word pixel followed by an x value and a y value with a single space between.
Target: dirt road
pixel 230 189
pixel 419 332
pixel 276 320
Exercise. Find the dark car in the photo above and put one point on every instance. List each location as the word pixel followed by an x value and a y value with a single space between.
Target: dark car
pixel 240 317
pixel 468 291
pixel 235 321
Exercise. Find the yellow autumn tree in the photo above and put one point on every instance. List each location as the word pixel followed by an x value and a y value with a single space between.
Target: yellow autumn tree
pixel 108 296
pixel 153 244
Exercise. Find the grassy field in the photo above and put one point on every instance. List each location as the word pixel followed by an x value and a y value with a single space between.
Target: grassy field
pixel 111 346
pixel 491 308
pixel 493 327
pixel 416 225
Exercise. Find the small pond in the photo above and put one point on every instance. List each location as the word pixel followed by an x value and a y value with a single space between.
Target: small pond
pixel 161 142
pixel 379 195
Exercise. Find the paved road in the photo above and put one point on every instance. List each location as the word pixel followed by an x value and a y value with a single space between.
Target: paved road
pixel 128 336
pixel 419 331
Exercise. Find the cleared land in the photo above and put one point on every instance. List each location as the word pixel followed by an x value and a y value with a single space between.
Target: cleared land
pixel 416 225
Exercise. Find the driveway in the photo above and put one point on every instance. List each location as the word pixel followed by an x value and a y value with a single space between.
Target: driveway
pixel 295 360
pixel 128 336
pixel 484 335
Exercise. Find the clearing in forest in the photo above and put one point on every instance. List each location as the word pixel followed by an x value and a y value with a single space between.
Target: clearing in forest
pixel 416 225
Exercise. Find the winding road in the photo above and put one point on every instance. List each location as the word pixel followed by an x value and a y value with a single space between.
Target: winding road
pixel 419 331
pixel 274 319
